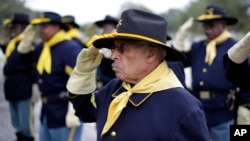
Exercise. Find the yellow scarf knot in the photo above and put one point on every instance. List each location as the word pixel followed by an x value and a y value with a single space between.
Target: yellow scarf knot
pixel 161 78
pixel 12 44
pixel 44 61
pixel 211 46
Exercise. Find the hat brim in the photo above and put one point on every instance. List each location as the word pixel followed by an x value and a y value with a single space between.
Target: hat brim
pixel 39 21
pixel 229 20
pixel 108 42
pixel 10 21
pixel 70 21
pixel 76 25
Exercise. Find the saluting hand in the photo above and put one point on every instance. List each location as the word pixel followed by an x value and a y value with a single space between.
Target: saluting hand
pixel 82 79
pixel 182 33
pixel 26 44
pixel 88 59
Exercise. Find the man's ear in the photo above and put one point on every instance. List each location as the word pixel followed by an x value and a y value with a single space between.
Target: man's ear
pixel 152 53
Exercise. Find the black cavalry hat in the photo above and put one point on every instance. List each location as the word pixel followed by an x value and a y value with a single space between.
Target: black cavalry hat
pixel 49 17
pixel 69 19
pixel 213 12
pixel 18 18
pixel 140 25
pixel 108 19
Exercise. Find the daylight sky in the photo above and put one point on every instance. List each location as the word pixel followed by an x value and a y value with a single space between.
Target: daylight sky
pixel 93 10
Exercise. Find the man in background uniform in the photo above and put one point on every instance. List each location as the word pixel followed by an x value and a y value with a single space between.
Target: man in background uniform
pixel 18 79
pixel 205 58
pixel 72 29
pixel 54 58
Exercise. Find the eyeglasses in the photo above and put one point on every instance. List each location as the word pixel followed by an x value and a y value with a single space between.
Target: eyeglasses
pixel 120 47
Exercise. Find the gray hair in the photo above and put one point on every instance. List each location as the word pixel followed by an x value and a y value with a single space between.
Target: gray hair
pixel 161 50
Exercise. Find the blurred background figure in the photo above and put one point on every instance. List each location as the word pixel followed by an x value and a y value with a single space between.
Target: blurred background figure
pixel 54 60
pixel 72 29
pixel 104 71
pixel 205 57
pixel 18 79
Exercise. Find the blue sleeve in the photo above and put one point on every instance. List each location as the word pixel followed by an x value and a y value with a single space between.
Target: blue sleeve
pixel 84 109
pixel 71 52
pixel 238 74
pixel 193 128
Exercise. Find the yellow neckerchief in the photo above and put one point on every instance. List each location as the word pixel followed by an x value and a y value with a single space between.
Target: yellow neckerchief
pixel 211 46
pixel 44 61
pixel 12 44
pixel 74 33
pixel 161 78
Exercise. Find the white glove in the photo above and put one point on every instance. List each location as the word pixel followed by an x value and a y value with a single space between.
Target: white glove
pixel 182 34
pixel 82 79
pixel 36 93
pixel 106 52
pixel 240 51
pixel 25 45
pixel 71 119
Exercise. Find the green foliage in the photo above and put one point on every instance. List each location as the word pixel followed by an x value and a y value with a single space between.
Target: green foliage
pixel 9 7
pixel 234 8
pixel 175 17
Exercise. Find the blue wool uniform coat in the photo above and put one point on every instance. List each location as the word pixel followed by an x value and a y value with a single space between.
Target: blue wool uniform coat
pixel 168 115
pixel 211 78
pixel 18 73
pixel 63 55
pixel 239 74
pixel 79 42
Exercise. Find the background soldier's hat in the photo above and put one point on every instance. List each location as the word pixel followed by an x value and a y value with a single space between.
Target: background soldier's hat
pixel 139 25
pixel 213 12
pixel 17 18
pixel 49 17
pixel 68 19
pixel 108 19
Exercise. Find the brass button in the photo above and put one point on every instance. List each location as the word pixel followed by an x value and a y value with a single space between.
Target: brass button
pixel 204 70
pixel 201 83
pixel 113 133
pixel 40 81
